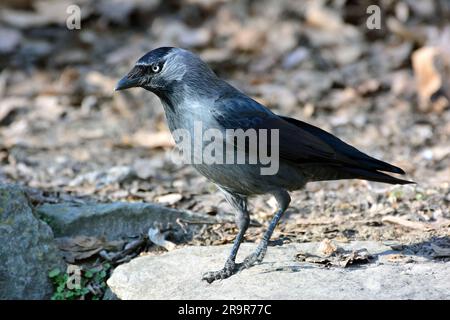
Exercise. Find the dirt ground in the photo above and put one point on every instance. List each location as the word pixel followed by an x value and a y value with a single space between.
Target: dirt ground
pixel 67 136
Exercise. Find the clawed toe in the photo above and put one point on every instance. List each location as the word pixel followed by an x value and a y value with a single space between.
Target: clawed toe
pixel 250 261
pixel 231 268
pixel 254 258
pixel 224 273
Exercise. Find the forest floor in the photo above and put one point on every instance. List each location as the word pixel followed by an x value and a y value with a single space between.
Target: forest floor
pixel 67 136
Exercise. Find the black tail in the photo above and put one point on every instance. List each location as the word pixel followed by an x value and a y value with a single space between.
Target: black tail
pixel 374 176
pixel 361 165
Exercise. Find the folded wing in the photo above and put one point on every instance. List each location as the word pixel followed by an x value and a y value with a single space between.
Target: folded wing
pixel 301 143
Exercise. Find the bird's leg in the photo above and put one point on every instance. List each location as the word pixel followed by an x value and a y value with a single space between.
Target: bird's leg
pixel 283 200
pixel 242 221
pixel 229 269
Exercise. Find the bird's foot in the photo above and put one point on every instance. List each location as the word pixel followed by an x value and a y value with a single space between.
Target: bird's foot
pixel 228 270
pixel 254 258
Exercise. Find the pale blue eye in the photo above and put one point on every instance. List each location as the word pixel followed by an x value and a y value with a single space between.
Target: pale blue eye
pixel 155 68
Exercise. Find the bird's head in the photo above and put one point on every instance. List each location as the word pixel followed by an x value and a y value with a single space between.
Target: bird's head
pixel 168 70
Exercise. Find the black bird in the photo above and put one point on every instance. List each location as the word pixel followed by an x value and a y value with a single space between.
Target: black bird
pixel 191 93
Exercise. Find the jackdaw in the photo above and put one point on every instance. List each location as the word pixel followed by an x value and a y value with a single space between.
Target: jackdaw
pixel 191 92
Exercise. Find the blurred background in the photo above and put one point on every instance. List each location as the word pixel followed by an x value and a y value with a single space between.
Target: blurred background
pixel 66 135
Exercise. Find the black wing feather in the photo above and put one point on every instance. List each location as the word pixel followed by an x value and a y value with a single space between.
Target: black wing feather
pixel 340 146
pixel 301 143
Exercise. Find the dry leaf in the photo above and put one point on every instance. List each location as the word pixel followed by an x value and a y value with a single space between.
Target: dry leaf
pixel 428 69
pixel 339 258
pixel 440 252
pixel 146 139
pixel 170 198
pixel 406 223
pixel 327 248
pixel 398 258
pixel 84 247
pixel 246 39
pixel 356 257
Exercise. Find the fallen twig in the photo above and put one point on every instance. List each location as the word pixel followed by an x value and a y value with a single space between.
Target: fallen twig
pixel 409 224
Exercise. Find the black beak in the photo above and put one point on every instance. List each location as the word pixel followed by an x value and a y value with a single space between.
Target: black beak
pixel 126 83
